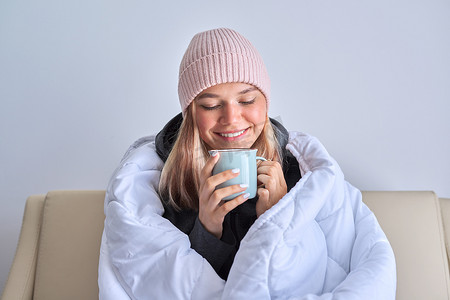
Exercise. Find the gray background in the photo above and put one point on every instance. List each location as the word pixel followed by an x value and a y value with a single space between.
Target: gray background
pixel 81 80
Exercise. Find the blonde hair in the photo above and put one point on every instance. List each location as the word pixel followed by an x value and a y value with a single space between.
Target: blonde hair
pixel 180 177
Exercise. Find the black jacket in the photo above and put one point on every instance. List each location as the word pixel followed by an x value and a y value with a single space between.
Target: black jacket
pixel 220 253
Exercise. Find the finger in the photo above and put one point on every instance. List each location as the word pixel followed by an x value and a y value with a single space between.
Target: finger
pixel 263 201
pixel 268 163
pixel 233 203
pixel 210 163
pixel 274 171
pixel 208 188
pixel 267 170
pixel 263 168
pixel 222 193
pixel 263 162
pixel 269 167
pixel 268 181
pixel 221 177
pixel 264 179
pixel 263 195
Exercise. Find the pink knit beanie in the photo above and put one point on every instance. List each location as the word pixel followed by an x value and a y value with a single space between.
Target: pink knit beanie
pixel 220 56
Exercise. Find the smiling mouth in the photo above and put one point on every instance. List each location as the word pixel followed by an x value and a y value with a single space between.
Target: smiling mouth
pixel 234 134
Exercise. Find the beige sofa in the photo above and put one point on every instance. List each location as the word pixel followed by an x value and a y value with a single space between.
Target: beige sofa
pixel 57 254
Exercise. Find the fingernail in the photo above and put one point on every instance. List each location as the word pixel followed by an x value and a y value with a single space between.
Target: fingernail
pixel 243 185
pixel 246 195
pixel 235 170
pixel 213 152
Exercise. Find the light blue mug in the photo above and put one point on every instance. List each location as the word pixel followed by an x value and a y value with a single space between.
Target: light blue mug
pixel 245 161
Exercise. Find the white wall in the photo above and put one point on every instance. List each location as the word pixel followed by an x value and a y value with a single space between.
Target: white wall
pixel 81 80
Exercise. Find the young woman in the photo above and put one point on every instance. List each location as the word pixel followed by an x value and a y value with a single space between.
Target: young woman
pixel 169 235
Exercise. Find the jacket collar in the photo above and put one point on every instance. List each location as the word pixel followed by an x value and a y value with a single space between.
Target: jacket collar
pixel 166 138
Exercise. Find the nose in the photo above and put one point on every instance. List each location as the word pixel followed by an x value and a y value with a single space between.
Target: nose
pixel 231 114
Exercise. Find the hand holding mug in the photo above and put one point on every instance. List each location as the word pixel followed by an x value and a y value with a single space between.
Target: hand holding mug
pixel 270 174
pixel 212 208
pixel 245 161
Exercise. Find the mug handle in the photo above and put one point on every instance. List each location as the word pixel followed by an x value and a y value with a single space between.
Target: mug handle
pixel 261 158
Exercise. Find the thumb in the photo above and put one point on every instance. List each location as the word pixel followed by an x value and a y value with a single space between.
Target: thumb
pixel 263 201
pixel 263 195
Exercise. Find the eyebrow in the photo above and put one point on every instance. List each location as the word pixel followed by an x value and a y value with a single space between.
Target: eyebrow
pixel 250 89
pixel 207 95
pixel 211 95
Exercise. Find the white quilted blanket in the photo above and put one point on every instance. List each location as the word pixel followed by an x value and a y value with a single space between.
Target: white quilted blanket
pixel 319 242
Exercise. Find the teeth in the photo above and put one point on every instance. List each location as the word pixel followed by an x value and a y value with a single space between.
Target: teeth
pixel 232 134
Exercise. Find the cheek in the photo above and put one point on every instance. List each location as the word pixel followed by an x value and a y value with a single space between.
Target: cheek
pixel 203 123
pixel 258 116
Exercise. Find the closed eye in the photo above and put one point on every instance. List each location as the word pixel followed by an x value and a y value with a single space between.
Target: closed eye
pixel 248 102
pixel 205 107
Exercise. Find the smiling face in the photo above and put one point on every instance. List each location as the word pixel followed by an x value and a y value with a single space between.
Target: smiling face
pixel 230 115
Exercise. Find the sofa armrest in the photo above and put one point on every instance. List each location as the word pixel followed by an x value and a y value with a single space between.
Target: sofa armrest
pixel 445 210
pixel 69 245
pixel 412 222
pixel 20 282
